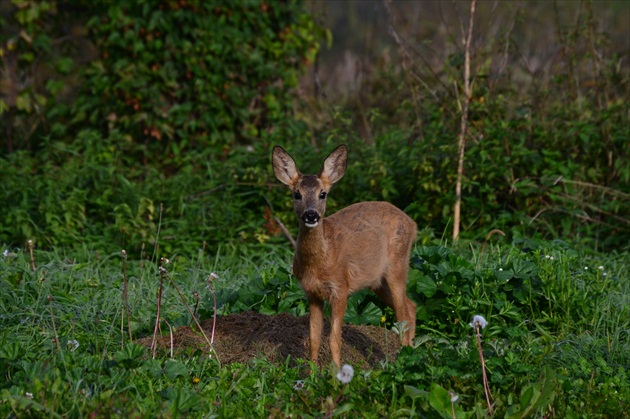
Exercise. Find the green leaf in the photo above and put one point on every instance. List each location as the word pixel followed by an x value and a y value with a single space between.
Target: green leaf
pixel 174 369
pixel 534 396
pixel 424 284
pixel 440 400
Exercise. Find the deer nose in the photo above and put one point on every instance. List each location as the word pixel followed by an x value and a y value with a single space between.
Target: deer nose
pixel 310 218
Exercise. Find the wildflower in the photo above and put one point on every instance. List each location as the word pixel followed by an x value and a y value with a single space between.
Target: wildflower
pixel 214 276
pixel 299 385
pixel 383 319
pixel 601 268
pixel 345 374
pixel 500 269
pixel 73 345
pixel 196 380
pixel 478 320
pixel 454 396
pixel 586 268
pixel 29 395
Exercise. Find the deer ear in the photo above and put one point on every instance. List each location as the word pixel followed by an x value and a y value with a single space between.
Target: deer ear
pixel 284 166
pixel 335 164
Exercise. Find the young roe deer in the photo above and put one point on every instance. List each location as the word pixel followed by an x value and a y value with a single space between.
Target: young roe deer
pixel 365 245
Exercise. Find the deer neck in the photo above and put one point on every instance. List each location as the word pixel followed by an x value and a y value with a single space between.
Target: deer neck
pixel 312 247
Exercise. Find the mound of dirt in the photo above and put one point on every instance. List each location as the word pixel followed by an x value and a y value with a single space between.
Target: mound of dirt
pixel 242 337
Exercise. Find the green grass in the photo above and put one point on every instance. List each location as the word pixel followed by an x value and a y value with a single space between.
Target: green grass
pixel 557 341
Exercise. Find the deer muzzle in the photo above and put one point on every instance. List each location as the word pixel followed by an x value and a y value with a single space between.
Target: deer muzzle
pixel 310 218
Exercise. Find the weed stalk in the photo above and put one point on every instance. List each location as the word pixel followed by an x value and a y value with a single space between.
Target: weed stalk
pixel 461 144
pixel 125 298
pixel 196 296
pixel 211 279
pixel 30 249
pixel 159 306
pixel 52 317
pixel 165 272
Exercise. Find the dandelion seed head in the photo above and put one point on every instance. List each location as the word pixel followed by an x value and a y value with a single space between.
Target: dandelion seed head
pixel 478 320
pixel 345 374
pixel 586 268
pixel 500 269
pixel 454 396
pixel 601 268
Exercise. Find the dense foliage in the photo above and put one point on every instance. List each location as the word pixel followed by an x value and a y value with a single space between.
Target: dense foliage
pixel 168 113
pixel 175 86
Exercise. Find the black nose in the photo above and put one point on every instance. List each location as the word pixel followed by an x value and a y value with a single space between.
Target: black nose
pixel 310 217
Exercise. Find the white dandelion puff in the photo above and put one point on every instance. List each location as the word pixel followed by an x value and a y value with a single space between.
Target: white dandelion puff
pixel 345 374
pixel 478 320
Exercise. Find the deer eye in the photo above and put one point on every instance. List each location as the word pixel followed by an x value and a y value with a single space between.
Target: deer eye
pixel 297 196
pixel 322 195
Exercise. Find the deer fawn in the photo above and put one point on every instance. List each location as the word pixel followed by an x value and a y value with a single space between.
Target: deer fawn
pixel 365 245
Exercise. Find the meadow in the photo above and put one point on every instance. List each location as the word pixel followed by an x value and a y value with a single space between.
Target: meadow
pixel 556 343
pixel 139 205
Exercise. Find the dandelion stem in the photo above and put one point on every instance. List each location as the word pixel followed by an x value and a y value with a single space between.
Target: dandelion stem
pixel 486 388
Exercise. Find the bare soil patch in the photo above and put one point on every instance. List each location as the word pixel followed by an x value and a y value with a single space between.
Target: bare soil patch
pixel 242 337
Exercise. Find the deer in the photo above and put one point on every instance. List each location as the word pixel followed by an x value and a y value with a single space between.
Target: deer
pixel 364 245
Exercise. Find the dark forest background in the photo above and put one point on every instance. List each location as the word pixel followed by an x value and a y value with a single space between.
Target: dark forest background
pixel 127 123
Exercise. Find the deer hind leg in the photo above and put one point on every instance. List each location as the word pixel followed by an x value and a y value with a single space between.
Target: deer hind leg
pixel 393 292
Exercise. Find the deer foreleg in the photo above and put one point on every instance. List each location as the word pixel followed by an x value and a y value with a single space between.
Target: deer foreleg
pixel 338 308
pixel 316 310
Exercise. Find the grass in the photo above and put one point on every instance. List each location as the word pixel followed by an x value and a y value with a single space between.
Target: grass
pixel 556 343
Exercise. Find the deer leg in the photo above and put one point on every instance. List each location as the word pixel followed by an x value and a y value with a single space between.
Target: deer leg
pixel 411 320
pixel 338 309
pixel 316 323
pixel 393 292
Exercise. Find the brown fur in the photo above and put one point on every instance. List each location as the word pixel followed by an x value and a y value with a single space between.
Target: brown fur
pixel 365 245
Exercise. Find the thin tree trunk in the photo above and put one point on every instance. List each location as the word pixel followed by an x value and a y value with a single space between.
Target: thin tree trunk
pixel 461 146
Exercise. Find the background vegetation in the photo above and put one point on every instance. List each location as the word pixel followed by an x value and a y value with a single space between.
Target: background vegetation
pixel 147 126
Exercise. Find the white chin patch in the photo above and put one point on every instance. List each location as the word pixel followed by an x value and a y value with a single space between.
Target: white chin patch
pixel 309 225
